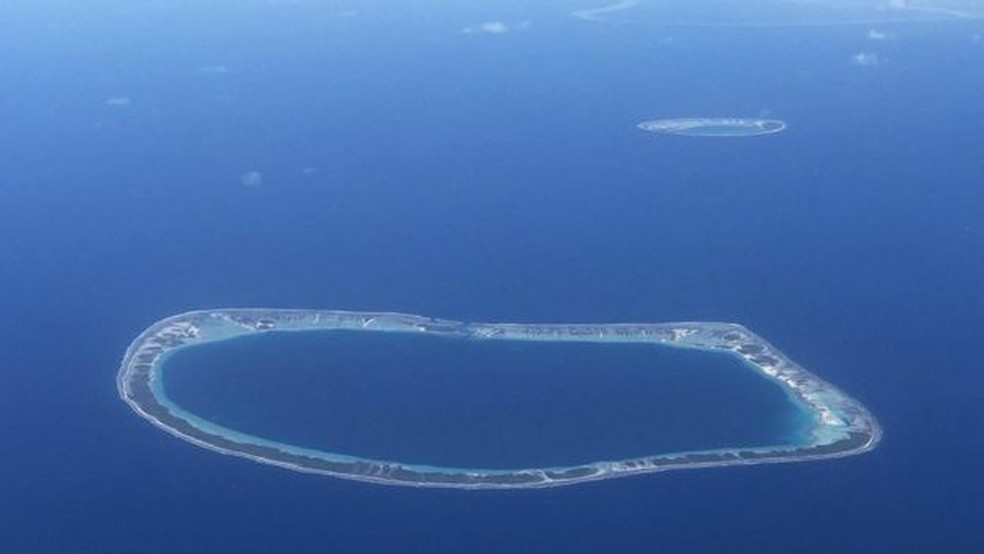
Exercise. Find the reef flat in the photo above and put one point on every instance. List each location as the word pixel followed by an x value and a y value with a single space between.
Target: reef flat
pixel 839 426
pixel 713 126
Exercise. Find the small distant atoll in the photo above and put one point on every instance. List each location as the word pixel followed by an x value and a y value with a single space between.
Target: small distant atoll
pixel 714 126
pixel 840 426
pixel 778 13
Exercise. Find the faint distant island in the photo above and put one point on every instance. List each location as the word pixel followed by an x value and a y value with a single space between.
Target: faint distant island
pixel 776 13
pixel 713 126
pixel 839 426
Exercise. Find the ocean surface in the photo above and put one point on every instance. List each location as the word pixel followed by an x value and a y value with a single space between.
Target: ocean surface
pixel 481 162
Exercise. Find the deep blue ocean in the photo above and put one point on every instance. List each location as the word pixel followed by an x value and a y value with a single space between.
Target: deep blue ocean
pixel 163 156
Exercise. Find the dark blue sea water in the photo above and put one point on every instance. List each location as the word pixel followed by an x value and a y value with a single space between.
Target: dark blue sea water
pixel 408 166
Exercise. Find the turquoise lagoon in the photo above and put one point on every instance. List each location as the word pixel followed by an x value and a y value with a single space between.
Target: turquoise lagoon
pixel 464 403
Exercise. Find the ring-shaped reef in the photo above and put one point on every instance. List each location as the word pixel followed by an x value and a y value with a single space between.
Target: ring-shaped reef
pixel 714 126
pixel 839 425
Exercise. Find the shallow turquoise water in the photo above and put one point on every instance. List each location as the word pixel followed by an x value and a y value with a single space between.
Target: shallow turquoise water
pixel 470 403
